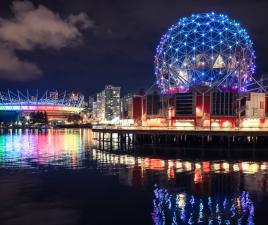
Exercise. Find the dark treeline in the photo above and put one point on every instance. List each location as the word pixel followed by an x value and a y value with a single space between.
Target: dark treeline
pixel 39 117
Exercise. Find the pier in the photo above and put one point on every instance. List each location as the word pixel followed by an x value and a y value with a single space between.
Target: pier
pixel 127 137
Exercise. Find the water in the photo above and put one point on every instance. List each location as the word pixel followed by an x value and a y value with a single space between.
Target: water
pixel 58 177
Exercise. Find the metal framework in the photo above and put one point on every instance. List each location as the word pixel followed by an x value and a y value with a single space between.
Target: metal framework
pixel 205 50
pixel 48 101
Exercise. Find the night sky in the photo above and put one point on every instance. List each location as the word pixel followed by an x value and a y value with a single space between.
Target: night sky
pixel 83 45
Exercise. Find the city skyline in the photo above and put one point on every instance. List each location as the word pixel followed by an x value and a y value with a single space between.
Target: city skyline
pixel 117 46
pixel 133 112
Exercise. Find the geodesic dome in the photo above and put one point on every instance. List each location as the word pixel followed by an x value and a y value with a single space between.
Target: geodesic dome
pixel 204 49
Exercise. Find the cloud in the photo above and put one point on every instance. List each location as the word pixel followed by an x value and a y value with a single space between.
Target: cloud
pixel 31 28
pixel 80 20
pixel 13 68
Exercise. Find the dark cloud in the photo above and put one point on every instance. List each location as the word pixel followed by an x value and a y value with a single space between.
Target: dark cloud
pixel 35 27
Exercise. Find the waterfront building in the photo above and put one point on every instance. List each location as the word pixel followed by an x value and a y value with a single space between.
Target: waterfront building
pixel 153 104
pixel 108 105
pixel 184 104
pixel 100 114
pixel 139 109
pixel 223 104
pixel 112 103
pixel 255 105
pixel 201 81
pixel 204 82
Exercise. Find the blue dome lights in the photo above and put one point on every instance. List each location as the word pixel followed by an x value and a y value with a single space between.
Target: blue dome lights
pixel 204 50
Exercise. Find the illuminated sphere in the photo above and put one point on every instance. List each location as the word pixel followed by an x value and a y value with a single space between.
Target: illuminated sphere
pixel 204 50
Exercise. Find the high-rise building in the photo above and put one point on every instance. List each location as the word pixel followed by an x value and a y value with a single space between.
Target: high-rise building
pixel 90 104
pixel 112 102
pixel 94 110
pixel 101 106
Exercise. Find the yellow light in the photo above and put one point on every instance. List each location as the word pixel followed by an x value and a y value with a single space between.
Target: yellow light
pixel 186 123
pixel 170 163
pixel 182 200
pixel 178 165
pixel 247 123
pixel 236 167
pixel 254 168
pixel 198 166
pixel 216 167
pixel 188 166
pixel 215 124
pixel 206 123
pixel 264 166
pixel 226 166
pixel 198 111
pixel 245 166
pixel 227 124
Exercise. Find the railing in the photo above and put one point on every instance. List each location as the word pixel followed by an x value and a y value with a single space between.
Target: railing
pixel 178 128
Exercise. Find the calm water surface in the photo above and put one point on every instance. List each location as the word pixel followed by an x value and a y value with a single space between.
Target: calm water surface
pixel 58 177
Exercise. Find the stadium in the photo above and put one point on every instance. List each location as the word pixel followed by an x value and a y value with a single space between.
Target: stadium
pixel 58 106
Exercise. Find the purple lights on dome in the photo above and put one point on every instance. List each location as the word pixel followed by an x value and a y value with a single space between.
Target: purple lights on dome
pixel 204 49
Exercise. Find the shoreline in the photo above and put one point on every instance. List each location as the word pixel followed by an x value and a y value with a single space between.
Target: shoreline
pixel 45 127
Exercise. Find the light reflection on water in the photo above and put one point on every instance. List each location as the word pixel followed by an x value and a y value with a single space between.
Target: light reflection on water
pixel 54 147
pixel 181 208
pixel 182 191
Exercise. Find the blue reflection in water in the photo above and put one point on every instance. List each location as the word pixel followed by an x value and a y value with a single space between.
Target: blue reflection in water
pixel 182 208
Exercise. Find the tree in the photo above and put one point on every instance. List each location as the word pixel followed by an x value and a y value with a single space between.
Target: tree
pixel 75 118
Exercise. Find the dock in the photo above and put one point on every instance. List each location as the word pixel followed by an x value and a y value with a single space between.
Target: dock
pixel 182 136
